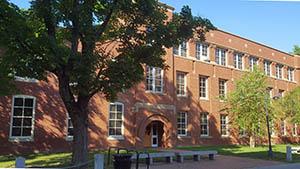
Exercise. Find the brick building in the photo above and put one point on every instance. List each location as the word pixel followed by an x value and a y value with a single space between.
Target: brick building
pixel 173 107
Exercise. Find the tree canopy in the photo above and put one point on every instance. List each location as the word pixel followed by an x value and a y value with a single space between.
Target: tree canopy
pixel 247 103
pixel 92 46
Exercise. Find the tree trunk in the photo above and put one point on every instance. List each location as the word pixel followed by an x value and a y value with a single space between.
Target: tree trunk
pixel 80 139
pixel 252 141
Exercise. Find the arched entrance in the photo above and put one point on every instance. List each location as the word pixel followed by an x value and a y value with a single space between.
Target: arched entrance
pixel 154 134
pixel 162 133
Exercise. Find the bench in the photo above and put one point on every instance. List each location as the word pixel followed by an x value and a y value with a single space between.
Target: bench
pixel 167 155
pixel 196 155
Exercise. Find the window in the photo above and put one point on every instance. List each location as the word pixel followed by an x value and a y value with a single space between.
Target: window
pixel 203 87
pixel 224 125
pixel 70 128
pixel 22 119
pixel 221 56
pixel 204 125
pixel 253 61
pixel 154 79
pixel 115 127
pixel 201 51
pixel 290 74
pixel 181 49
pixel 279 71
pixel 181 83
pixel 295 130
pixel 182 124
pixel 222 88
pixel 238 61
pixel 267 67
pixel 280 93
pixel 283 128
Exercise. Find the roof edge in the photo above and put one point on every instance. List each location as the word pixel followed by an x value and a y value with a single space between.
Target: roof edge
pixel 259 43
pixel 166 6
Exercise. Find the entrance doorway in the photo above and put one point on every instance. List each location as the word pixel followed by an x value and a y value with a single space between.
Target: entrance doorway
pixel 154 134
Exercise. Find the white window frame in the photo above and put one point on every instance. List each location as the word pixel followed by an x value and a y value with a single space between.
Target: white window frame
pixel 185 84
pixel 279 73
pixel 226 125
pixel 185 123
pixel 253 61
pixel 116 137
pixel 218 56
pixel 153 78
pixel 206 87
pixel 237 64
pixel 25 79
pixel 69 137
pixel 283 128
pixel 225 88
pixel 199 51
pixel 290 74
pixel 267 67
pixel 179 49
pixel 22 138
pixel 295 129
pixel 205 124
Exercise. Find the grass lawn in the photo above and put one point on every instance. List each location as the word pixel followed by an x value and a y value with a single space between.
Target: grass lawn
pixel 47 160
pixel 63 159
pixel 259 152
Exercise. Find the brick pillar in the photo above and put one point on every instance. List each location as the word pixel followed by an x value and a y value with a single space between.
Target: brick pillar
pixel 212 50
pixel 230 55
pixel 246 61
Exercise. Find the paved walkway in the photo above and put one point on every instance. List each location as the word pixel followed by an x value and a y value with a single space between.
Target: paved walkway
pixel 220 162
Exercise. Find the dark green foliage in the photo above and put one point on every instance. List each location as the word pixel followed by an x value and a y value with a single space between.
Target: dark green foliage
pixel 44 39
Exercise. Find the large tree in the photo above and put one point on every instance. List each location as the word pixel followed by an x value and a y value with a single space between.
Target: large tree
pixel 92 46
pixel 248 102
pixel 296 50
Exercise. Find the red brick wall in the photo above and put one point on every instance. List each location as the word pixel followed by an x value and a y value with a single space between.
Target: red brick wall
pixel 50 118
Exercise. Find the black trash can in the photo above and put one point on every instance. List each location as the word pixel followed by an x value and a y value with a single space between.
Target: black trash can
pixel 122 161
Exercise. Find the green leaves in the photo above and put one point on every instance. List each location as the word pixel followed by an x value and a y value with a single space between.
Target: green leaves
pixel 99 45
pixel 289 105
pixel 249 101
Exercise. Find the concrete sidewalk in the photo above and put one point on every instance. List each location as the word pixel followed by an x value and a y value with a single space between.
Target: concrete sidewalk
pixel 220 162
pixel 283 166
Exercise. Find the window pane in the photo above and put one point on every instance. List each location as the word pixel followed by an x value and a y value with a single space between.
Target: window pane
pixel 17 121
pixel 16 131
pixel 28 102
pixel 28 111
pixel 118 123
pixel 26 132
pixel 112 132
pixel 17 111
pixel 18 102
pixel 119 108
pixel 112 115
pixel 118 131
pixel 27 122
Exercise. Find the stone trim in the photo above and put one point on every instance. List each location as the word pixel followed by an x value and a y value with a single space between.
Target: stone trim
pixel 150 106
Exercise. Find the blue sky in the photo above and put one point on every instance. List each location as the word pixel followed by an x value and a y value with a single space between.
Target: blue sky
pixel 275 24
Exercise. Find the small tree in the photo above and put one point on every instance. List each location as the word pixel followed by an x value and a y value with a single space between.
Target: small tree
pixel 247 104
pixel 72 39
